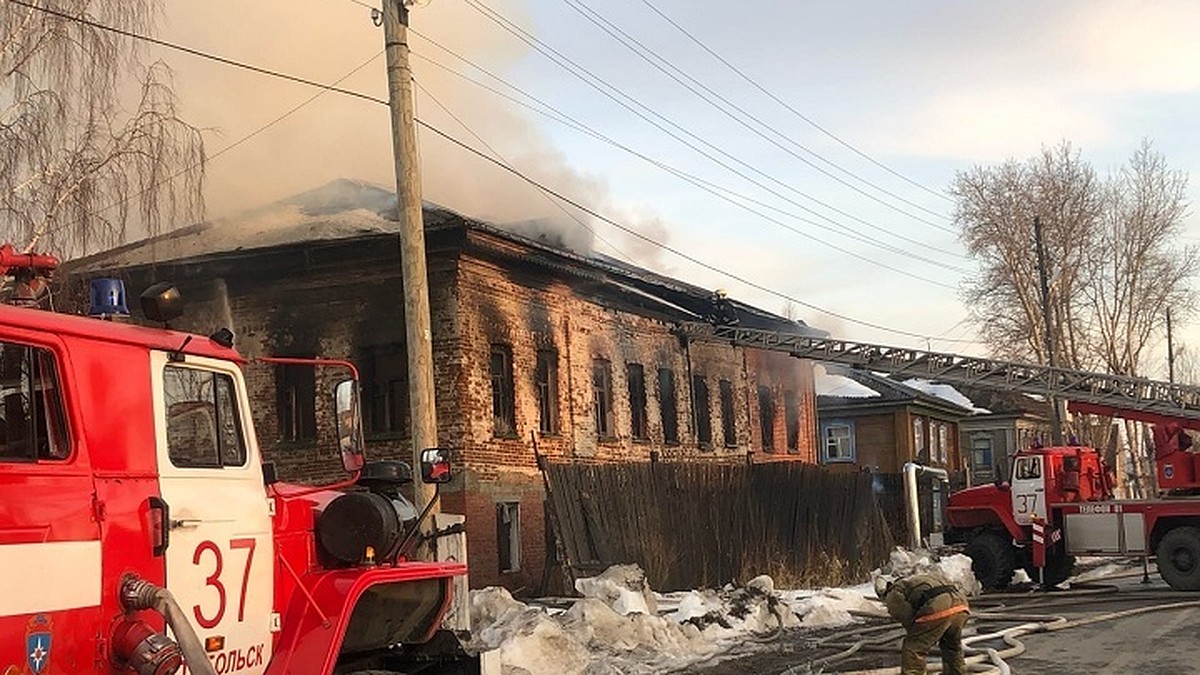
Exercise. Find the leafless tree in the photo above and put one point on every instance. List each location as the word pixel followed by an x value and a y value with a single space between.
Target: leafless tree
pixel 1137 270
pixel 1113 258
pixel 1114 265
pixel 92 149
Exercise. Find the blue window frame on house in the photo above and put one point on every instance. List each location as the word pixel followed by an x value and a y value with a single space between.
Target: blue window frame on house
pixel 837 441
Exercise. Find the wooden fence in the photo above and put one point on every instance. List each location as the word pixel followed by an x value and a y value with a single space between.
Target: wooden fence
pixel 704 525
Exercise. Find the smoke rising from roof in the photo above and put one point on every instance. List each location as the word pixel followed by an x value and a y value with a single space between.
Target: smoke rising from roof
pixel 336 136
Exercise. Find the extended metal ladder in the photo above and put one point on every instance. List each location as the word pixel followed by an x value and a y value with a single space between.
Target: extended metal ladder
pixel 1118 392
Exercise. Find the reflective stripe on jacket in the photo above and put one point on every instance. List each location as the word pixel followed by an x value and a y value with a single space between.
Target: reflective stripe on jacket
pixel 922 598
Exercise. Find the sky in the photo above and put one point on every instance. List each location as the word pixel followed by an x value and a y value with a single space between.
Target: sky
pixel 824 134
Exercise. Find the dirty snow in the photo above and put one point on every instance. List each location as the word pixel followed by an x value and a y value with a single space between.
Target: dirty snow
pixel 622 626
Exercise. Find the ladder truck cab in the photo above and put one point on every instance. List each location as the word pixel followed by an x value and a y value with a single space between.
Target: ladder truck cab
pixel 140 530
pixel 1058 503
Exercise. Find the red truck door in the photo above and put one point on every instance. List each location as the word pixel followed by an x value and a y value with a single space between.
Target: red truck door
pixel 50 561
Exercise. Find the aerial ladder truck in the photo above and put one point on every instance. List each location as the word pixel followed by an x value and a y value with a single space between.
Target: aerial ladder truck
pixel 1058 502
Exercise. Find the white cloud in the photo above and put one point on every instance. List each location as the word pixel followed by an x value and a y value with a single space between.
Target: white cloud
pixel 1023 85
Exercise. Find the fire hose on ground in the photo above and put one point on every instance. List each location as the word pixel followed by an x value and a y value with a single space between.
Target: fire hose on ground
pixel 993 660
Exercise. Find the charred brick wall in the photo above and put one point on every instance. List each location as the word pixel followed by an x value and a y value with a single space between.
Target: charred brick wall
pixel 346 299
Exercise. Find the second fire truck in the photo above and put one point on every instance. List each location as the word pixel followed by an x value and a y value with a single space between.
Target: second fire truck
pixel 1058 502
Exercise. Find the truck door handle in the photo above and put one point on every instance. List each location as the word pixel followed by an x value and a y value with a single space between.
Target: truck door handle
pixel 160 525
pixel 185 523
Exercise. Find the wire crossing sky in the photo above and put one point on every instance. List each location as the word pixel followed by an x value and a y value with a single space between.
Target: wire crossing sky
pixel 802 147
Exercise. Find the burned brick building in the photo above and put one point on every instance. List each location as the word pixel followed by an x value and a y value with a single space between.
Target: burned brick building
pixel 533 345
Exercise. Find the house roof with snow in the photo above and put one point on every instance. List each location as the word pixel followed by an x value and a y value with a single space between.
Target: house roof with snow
pixel 346 210
pixel 841 388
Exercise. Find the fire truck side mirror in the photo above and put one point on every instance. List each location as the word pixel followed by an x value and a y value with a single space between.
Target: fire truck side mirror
pixel 348 420
pixel 435 465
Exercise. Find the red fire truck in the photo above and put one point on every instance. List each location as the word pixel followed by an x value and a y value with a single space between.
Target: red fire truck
pixel 1058 502
pixel 141 531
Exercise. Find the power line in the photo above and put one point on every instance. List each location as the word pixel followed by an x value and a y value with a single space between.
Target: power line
pixel 194 52
pixel 788 107
pixel 617 95
pixel 498 163
pixel 550 111
pixel 728 195
pixel 668 247
pixel 692 84
pixel 462 123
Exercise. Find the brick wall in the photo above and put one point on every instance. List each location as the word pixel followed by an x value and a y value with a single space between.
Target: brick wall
pixel 347 297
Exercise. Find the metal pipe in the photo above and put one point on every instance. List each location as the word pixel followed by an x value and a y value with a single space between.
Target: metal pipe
pixel 137 594
pixel 911 505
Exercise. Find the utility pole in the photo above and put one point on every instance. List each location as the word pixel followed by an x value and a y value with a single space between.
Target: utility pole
pixel 414 275
pixel 1056 422
pixel 1170 351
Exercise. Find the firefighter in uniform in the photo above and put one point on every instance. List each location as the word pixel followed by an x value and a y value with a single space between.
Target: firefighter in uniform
pixel 932 611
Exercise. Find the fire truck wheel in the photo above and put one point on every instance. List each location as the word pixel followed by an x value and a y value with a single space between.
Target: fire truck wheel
pixel 992 559
pixel 1058 569
pixel 1178 558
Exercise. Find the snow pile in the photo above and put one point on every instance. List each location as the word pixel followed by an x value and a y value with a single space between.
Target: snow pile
pixel 622 587
pixel 832 384
pixel 1103 569
pixel 956 568
pixel 944 392
pixel 831 607
pixel 615 628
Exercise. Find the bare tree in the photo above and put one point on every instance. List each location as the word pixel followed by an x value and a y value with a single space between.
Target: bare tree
pixel 1137 271
pixel 1113 258
pixel 92 149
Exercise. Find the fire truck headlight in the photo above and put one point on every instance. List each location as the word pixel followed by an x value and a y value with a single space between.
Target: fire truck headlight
pixel 145 650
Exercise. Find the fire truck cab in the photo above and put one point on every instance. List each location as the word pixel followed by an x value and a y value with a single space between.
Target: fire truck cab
pixel 140 529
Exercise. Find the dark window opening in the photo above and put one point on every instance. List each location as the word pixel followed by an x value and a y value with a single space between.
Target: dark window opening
pixel 728 425
pixel 546 382
pixel 791 418
pixel 703 411
pixel 296 397
pixel 32 420
pixel 668 405
pixel 504 413
pixel 385 388
pixel 602 397
pixel 203 427
pixel 638 427
pixel 508 535
pixel 766 418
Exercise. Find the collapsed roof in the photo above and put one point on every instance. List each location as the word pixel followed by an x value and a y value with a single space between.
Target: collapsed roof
pixel 349 209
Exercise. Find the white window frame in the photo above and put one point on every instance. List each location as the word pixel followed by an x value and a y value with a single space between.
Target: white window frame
pixel 852 453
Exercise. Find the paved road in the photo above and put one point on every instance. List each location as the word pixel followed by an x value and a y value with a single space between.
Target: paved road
pixel 1163 642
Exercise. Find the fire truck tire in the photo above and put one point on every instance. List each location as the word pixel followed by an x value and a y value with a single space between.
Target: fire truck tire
pixel 1178 558
pixel 1058 569
pixel 992 559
